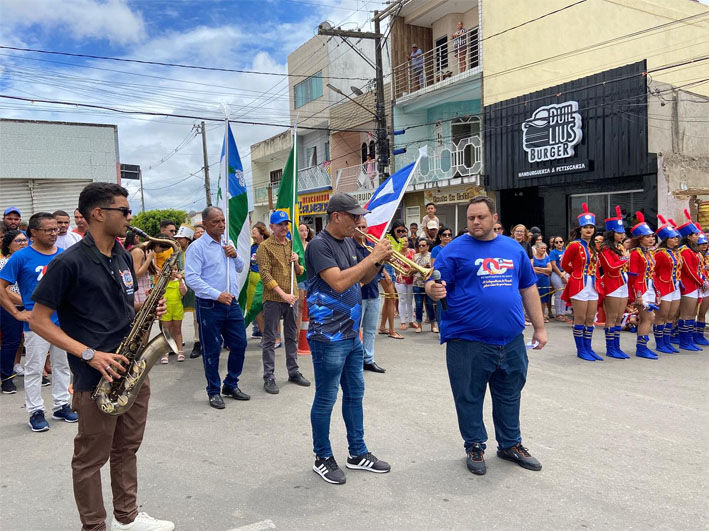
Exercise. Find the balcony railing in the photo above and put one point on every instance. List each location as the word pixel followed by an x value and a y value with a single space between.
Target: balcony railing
pixel 438 65
pixel 314 177
pixel 360 178
pixel 456 159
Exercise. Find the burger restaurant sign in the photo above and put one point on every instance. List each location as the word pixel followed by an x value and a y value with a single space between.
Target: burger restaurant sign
pixel 550 134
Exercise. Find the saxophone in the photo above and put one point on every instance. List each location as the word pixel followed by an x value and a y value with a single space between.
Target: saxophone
pixel 115 398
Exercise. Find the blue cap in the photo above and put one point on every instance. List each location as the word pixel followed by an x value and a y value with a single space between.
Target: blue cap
pixel 615 224
pixel 12 209
pixel 666 230
pixel 586 217
pixel 278 216
pixel 702 238
pixel 642 228
pixel 689 227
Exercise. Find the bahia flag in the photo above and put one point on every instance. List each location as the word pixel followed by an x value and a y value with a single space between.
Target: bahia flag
pixel 385 199
pixel 287 201
pixel 232 198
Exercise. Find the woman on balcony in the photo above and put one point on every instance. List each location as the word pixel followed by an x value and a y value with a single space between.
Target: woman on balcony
pixel 460 45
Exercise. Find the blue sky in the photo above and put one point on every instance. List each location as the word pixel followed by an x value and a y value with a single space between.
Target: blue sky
pixel 237 34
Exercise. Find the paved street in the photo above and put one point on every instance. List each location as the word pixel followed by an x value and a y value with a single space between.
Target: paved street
pixel 623 445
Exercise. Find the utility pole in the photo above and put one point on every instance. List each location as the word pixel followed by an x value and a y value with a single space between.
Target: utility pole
pixel 207 186
pixel 382 140
pixel 380 114
pixel 142 196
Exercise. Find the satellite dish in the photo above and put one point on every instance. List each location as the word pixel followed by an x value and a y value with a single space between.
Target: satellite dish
pixel 355 90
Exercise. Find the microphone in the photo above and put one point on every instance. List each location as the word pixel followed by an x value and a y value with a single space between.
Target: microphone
pixel 437 279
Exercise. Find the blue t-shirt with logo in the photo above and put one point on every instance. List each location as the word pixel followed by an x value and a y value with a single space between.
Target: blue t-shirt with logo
pixel 483 279
pixel 254 264
pixel 555 256
pixel 27 267
pixel 333 316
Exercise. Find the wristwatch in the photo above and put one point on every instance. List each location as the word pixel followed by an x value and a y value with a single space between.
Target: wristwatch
pixel 87 355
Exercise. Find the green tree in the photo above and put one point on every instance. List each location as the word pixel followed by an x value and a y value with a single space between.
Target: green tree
pixel 149 221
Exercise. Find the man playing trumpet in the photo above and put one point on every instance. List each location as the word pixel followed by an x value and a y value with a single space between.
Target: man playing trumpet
pixel 335 307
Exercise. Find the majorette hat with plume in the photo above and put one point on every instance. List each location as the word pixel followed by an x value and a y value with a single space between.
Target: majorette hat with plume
pixel 689 227
pixel 642 228
pixel 702 235
pixel 586 217
pixel 665 230
pixel 615 224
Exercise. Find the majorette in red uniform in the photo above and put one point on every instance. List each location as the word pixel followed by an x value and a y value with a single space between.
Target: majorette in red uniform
pixel 668 270
pixel 640 286
pixel 581 263
pixel 614 282
pixel 700 324
pixel 692 284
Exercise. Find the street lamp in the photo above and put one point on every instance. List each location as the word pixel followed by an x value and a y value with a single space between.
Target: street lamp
pixel 338 91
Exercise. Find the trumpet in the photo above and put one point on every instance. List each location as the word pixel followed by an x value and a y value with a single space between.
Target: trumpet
pixel 401 263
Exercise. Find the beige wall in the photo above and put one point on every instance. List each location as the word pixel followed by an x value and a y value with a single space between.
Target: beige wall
pixel 309 59
pixel 448 24
pixel 345 148
pixel 586 25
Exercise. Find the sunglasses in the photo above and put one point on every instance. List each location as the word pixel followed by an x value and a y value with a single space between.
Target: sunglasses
pixel 422 245
pixel 497 229
pixel 124 210
pixel 448 234
pixel 559 241
pixel 400 230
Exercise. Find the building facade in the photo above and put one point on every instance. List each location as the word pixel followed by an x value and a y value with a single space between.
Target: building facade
pixel 437 103
pixel 604 116
pixel 44 165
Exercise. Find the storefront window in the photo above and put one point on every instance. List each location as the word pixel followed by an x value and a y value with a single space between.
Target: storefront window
pixel 603 205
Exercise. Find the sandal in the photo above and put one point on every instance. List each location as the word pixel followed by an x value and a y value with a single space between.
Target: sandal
pixel 418 328
pixel 164 360
pixel 180 355
pixel 561 318
pixel 403 327
pixel 434 328
pixel 396 335
pixel 384 331
pixel 546 319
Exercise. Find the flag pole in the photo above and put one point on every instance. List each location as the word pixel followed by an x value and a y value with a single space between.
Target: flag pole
pixel 226 196
pixel 423 152
pixel 295 187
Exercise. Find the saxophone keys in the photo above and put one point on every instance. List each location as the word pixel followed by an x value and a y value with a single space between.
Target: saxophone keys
pixel 122 400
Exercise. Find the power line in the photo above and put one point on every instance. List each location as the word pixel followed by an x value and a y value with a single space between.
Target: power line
pixel 174 65
pixel 534 20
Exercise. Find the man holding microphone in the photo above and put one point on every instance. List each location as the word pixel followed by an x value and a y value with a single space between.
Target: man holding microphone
pixel 276 261
pixel 486 279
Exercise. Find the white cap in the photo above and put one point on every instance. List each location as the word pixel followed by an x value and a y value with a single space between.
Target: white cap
pixel 185 232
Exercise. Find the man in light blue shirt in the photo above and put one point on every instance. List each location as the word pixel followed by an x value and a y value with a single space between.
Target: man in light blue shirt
pixel 218 312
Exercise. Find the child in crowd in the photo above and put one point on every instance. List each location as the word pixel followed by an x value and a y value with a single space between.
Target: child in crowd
pixel 172 320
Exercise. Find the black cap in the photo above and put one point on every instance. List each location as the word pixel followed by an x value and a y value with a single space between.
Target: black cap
pixel 535 230
pixel 342 202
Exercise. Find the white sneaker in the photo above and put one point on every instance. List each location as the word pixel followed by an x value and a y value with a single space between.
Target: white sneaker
pixel 143 522
pixel 19 369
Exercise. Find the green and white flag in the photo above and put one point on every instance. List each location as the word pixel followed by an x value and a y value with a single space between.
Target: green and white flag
pixel 235 204
pixel 287 201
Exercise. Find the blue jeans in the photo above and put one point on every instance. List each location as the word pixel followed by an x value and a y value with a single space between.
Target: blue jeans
pixel 337 363
pixel 471 367
pixel 217 321
pixel 11 338
pixel 370 316
pixel 420 297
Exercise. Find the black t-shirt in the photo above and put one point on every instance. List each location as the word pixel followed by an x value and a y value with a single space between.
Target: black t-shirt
pixel 333 316
pixel 93 297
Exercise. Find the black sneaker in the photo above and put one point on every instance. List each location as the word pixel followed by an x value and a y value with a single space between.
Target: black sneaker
pixel 8 387
pixel 520 455
pixel 270 386
pixel 299 379
pixel 475 460
pixel 38 422
pixel 46 381
pixel 369 462
pixel 329 470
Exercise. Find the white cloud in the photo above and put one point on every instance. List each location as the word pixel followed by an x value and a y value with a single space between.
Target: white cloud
pixel 112 19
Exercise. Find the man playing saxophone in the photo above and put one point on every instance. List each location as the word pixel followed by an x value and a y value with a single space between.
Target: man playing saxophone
pixel 91 287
